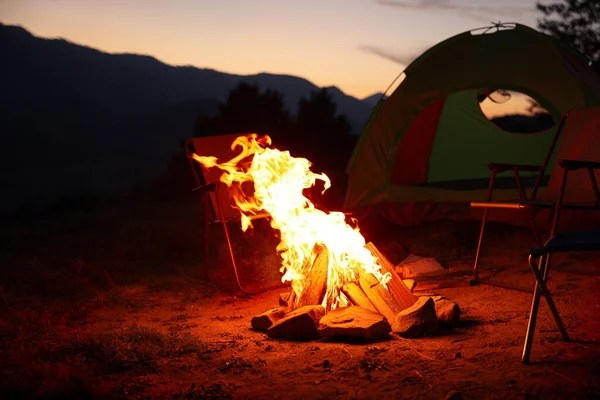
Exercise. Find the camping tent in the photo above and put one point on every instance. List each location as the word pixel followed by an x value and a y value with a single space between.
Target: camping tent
pixel 424 150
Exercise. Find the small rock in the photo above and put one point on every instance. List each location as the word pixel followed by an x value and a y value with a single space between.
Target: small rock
pixel 355 322
pixel 300 324
pixel 417 320
pixel 264 321
pixel 448 312
pixel 458 355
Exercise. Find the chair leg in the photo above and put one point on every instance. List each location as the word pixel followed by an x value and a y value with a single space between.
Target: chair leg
pixel 478 253
pixel 206 235
pixel 534 228
pixel 229 245
pixel 535 303
pixel 541 273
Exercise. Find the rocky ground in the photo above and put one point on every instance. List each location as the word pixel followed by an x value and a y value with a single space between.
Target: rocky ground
pixel 90 310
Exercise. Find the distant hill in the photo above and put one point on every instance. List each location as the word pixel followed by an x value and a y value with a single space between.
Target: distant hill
pixel 373 99
pixel 74 119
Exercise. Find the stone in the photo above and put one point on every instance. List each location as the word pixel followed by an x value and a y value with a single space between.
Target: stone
pixel 355 322
pixel 447 311
pixel 264 321
pixel 300 324
pixel 417 320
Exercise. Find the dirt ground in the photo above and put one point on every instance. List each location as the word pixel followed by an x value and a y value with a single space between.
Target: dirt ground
pixel 91 308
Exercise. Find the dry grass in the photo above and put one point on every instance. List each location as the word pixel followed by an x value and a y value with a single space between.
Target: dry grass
pixel 57 271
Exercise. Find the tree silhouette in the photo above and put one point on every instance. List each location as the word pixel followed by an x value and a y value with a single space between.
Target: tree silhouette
pixel 247 110
pixel 576 22
pixel 316 132
pixel 325 135
pixel 324 138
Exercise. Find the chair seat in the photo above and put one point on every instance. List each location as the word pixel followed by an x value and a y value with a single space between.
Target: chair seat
pixel 570 241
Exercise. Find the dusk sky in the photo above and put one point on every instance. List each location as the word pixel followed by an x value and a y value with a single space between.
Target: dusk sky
pixel 358 45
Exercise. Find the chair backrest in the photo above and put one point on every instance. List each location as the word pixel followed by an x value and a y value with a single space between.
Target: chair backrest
pixel 560 129
pixel 220 147
pixel 580 142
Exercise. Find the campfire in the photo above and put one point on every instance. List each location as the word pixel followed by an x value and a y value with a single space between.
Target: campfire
pixel 340 285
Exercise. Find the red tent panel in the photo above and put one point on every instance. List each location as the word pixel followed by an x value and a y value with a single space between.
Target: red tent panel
pixel 412 159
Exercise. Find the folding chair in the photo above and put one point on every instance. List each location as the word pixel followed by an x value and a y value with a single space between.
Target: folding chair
pixel 577 241
pixel 215 196
pixel 563 242
pixel 555 189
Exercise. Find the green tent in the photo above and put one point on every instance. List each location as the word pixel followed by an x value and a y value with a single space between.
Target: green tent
pixel 429 142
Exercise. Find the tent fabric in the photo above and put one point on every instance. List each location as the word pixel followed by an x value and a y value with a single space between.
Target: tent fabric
pixel 428 142
pixel 411 164
pixel 466 141
pixel 580 141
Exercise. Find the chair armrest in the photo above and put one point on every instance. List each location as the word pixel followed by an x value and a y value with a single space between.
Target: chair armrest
pixel 576 164
pixel 209 187
pixel 500 167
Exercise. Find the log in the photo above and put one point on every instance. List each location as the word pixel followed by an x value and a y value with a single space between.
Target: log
pixel 398 289
pixel 264 321
pixel 381 298
pixel 287 299
pixel 356 295
pixel 315 284
pixel 283 299
pixel 300 324
pixel 354 322
pixel 291 301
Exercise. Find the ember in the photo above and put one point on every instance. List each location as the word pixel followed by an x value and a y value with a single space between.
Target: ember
pixel 327 262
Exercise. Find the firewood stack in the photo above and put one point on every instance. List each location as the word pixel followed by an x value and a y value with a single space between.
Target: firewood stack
pixel 374 311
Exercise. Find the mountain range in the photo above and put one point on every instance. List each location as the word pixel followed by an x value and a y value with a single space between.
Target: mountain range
pixel 78 120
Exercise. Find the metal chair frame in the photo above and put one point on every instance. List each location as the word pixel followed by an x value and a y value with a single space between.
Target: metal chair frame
pixel 529 203
pixel 215 214
pixel 543 255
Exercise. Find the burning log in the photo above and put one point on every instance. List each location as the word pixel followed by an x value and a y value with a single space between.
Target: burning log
pixel 357 296
pixel 381 298
pixel 402 294
pixel 315 285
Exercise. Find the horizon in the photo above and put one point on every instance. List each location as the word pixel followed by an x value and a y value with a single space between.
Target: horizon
pixel 330 53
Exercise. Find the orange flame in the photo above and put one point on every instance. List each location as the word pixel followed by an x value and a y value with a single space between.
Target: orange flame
pixel 279 181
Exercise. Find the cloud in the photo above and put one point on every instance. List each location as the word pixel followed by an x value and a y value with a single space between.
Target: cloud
pixel 485 10
pixel 398 58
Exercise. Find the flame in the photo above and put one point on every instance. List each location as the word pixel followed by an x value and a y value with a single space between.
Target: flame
pixel 278 184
